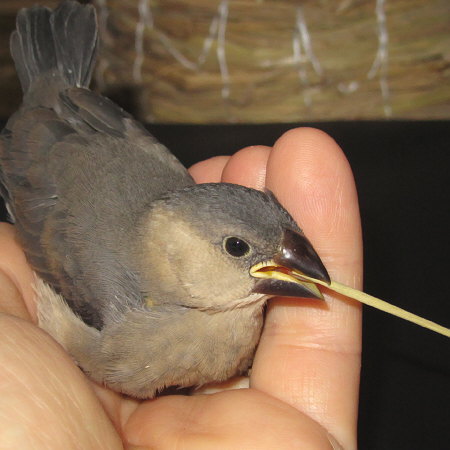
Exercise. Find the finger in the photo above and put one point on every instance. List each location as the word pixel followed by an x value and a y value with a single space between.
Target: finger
pixel 247 167
pixel 15 268
pixel 210 170
pixel 11 300
pixel 309 354
pixel 244 418
pixel 46 400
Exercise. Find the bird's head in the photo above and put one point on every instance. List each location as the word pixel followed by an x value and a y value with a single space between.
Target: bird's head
pixel 222 246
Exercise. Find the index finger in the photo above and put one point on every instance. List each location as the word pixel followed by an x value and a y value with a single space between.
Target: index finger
pixel 309 354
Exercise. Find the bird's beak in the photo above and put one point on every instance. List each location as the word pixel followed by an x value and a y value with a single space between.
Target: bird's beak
pixel 292 270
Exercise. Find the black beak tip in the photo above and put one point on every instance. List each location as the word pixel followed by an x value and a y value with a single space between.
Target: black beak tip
pixel 321 273
pixel 298 253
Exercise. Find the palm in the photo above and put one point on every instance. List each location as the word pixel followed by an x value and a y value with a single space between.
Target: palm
pixel 306 368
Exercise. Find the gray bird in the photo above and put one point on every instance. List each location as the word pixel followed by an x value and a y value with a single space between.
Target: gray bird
pixel 145 278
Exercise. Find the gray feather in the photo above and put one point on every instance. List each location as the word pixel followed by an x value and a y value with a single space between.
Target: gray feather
pixel 59 44
pixel 98 113
pixel 73 163
pixel 32 45
pixel 74 31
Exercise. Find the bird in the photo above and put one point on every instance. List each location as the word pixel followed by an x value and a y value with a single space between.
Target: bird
pixel 148 280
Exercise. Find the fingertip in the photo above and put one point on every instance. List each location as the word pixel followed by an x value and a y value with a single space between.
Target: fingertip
pixel 210 170
pixel 247 167
pixel 306 135
pixel 304 159
pixel 312 152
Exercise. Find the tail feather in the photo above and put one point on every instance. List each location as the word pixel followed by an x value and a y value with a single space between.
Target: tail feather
pixel 61 44
pixel 32 45
pixel 75 35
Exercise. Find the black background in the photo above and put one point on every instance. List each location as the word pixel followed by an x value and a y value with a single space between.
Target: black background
pixel 402 175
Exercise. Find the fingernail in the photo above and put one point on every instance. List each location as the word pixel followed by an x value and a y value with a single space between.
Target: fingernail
pixel 231 384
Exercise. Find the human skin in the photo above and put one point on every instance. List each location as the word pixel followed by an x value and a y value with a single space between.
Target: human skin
pixel 305 377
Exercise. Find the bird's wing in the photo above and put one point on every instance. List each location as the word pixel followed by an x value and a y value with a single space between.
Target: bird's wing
pixel 77 171
pixel 29 189
pixel 89 112
pixel 78 178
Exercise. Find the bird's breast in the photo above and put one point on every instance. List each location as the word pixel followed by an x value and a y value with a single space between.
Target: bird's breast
pixel 184 348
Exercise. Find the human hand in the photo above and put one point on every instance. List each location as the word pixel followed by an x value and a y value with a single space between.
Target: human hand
pixel 304 382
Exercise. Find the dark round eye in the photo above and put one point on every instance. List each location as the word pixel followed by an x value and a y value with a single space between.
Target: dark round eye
pixel 236 246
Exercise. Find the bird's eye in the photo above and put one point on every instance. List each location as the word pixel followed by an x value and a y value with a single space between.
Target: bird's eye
pixel 236 246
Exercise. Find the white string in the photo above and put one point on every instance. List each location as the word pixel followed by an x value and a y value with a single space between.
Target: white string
pixel 141 24
pixel 303 53
pixel 381 61
pixel 302 50
pixel 306 42
pixel 208 42
pixel 216 32
pixel 221 56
